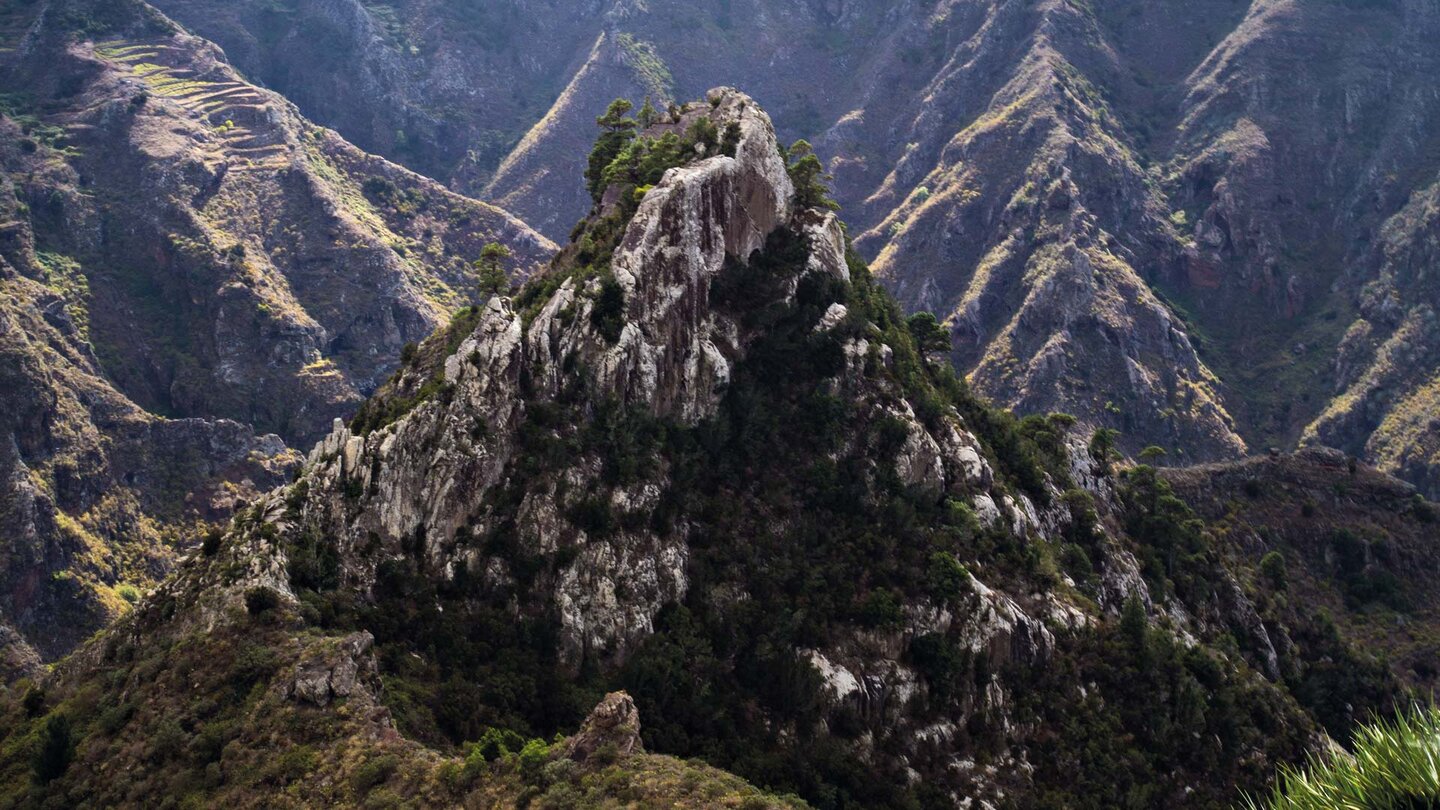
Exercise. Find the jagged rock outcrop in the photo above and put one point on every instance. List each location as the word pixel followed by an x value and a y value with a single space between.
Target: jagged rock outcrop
pixel 674 353
pixel 672 358
pixel 613 724
pixel 513 469
pixel 429 475
pixel 336 672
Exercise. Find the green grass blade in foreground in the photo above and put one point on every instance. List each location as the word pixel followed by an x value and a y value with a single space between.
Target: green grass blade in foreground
pixel 1393 765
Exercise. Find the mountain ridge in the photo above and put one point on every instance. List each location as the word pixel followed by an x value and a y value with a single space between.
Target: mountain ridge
pixel 833 569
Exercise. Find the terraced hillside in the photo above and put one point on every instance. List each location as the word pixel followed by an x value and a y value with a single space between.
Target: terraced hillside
pixel 250 265
pixel 250 137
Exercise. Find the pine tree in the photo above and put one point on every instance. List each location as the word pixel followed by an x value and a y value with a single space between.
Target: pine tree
pixel 616 133
pixel 648 115
pixel 808 175
pixel 491 269
pixel 929 335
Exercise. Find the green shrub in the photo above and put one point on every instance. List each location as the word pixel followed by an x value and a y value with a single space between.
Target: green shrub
pixel 929 335
pixel 495 743
pixel 1423 510
pixel 375 772
pixel 115 717
pixel 1272 567
pixel 704 132
pixel 57 747
pixel 314 563
pixel 291 765
pixel 253 664
pixel 211 544
pixel 608 314
pixel 33 703
pixel 1102 446
pixel 882 608
pixel 532 758
pixel 260 599
pixel 948 578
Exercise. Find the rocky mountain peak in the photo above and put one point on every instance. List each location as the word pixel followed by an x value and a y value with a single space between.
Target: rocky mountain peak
pixel 645 330
pixel 674 351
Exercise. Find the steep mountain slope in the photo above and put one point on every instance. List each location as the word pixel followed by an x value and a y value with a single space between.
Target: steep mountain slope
pixel 97 493
pixel 706 459
pixel 1351 557
pixel 240 262
pixel 179 249
pixel 1166 218
pixel 1305 150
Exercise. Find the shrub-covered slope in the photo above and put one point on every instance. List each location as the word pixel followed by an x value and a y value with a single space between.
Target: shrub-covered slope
pixel 97 494
pixel 704 459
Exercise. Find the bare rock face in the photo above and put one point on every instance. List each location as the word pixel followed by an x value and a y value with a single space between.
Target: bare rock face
pixel 673 353
pixel 614 723
pixel 335 672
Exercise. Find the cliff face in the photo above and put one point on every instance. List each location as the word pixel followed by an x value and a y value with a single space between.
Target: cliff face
pixel 704 459
pixel 1165 219
pixel 186 263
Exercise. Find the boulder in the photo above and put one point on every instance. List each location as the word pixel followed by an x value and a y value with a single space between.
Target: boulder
pixel 614 722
